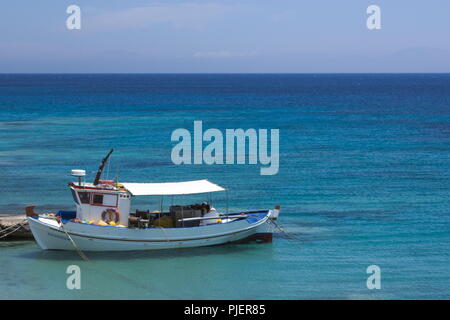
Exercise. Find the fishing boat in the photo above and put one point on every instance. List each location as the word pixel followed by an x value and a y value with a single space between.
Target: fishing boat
pixel 103 220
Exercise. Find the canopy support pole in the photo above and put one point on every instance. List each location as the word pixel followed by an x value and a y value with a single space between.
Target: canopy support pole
pixel 226 191
pixel 182 214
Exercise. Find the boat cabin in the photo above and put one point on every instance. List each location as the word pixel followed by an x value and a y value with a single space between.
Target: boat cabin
pixel 94 201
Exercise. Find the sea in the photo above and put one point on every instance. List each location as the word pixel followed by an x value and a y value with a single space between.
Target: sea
pixel 363 182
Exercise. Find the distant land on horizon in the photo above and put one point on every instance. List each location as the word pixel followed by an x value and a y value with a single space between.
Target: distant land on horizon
pixel 412 60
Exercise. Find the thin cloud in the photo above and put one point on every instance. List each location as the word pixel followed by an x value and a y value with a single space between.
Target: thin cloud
pixel 223 54
pixel 180 15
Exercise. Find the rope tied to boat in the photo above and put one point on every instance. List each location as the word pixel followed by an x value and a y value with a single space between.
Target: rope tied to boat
pixel 288 235
pixel 164 232
pixel 80 253
pixel 18 226
pixel 85 258
pixel 93 263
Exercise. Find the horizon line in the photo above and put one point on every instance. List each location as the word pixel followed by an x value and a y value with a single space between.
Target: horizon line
pixel 207 73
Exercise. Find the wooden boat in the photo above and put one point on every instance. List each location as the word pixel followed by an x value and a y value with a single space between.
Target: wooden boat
pixel 102 220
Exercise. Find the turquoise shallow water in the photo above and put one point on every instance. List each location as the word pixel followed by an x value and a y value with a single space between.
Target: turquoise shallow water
pixel 363 180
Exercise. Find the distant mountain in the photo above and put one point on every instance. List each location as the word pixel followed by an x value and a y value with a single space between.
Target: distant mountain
pixel 418 59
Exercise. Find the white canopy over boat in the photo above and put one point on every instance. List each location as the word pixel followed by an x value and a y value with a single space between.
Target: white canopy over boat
pixel 172 188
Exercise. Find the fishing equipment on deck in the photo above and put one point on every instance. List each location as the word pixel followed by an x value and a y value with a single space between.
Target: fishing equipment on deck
pixel 164 222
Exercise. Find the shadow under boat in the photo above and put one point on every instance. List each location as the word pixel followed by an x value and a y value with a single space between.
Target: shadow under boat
pixel 229 248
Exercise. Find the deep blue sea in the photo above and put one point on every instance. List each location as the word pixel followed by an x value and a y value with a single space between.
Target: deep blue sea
pixel 363 180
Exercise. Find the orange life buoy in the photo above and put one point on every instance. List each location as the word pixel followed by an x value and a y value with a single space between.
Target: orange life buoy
pixel 108 214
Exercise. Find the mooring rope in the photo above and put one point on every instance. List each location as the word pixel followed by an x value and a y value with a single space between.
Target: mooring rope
pixel 19 225
pixel 165 234
pixel 13 225
pixel 83 256
pixel 80 253
pixel 7 234
pixel 287 234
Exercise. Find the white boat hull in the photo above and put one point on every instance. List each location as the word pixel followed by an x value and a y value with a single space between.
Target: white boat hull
pixel 50 235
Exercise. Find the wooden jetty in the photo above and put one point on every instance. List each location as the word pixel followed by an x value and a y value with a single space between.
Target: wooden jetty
pixel 14 227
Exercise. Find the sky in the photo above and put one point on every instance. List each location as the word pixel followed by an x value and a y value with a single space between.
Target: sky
pixel 230 36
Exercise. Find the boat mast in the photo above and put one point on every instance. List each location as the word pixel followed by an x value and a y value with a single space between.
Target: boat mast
pixel 100 168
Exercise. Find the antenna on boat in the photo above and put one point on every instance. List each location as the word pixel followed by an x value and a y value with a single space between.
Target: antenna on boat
pixel 101 166
pixel 79 174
